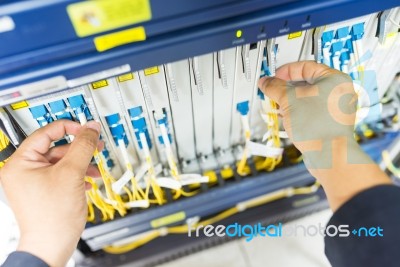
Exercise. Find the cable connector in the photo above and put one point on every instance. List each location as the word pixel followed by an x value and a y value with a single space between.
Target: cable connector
pixel 243 108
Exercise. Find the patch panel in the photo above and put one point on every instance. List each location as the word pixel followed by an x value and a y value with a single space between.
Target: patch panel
pixel 59 109
pixel 117 129
pixel 180 101
pixel 201 79
pixel 139 125
pixel 41 114
pixel 79 106
pixel 224 76
pixel 246 76
pixel 155 94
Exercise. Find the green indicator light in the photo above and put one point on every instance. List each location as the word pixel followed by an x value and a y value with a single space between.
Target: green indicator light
pixel 239 33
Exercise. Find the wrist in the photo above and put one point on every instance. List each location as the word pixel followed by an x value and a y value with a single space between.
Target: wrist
pixel 352 171
pixel 50 249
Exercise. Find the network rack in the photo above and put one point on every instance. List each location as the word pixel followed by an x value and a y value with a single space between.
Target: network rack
pixel 158 77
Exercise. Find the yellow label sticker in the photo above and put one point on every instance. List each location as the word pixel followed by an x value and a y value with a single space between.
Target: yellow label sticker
pixel 18 105
pixel 150 71
pixel 126 77
pixel 169 219
pixel 112 40
pixel 91 17
pixel 295 35
pixel 99 84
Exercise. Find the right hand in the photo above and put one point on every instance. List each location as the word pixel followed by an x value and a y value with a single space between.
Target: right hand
pixel 45 188
pixel 318 108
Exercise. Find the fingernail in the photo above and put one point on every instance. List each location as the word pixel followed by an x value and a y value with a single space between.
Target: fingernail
pixel 94 125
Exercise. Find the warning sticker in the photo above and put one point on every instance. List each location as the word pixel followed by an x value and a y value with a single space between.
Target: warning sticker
pixel 150 71
pixel 126 77
pixel 295 35
pixel 112 40
pixel 99 84
pixel 18 105
pixel 91 17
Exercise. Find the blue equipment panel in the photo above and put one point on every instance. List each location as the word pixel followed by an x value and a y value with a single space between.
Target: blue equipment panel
pixel 48 47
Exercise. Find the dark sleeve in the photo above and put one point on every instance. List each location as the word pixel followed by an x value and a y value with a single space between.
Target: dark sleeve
pixel 23 259
pixel 373 222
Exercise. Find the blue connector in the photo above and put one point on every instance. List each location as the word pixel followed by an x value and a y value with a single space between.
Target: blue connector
pixel 344 57
pixel 78 104
pixel 139 125
pixel 162 141
pixel 164 121
pixel 135 112
pixel 113 119
pixel 260 94
pixel 326 37
pixel 336 49
pixel 357 31
pixel 58 108
pixel 342 33
pixel 110 163
pixel 243 107
pixel 41 114
pixel 349 46
pixel 116 128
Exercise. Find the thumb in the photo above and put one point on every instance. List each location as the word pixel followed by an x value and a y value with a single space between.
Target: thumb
pixel 80 153
pixel 274 88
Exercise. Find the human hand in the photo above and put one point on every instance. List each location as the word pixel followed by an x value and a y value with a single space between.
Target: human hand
pixel 318 109
pixel 46 190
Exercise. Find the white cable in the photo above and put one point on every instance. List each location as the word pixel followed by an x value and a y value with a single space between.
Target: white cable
pixel 394 22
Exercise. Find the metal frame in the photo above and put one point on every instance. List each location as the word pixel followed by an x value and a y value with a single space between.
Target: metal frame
pixel 176 37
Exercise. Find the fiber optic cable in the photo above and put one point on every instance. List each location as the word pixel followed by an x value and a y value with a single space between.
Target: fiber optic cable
pixel 239 207
pixel 113 199
pixel 241 166
pixel 4 143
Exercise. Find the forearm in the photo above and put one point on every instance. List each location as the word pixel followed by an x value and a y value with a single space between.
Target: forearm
pixel 352 172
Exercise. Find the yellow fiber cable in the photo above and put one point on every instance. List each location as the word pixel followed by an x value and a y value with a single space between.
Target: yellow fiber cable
pixel 183 229
pixel 91 214
pixel 133 245
pixel 3 144
pixel 269 164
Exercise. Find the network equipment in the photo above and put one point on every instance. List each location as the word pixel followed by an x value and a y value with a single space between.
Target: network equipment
pixel 189 137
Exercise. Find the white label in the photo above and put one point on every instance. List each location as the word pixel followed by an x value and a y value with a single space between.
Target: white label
pixel 192 178
pixel 168 183
pixel 141 172
pixel 6 24
pixel 261 150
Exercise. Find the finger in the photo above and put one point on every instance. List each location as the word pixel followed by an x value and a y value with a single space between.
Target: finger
pixel 93 171
pixel 88 186
pixel 81 151
pixel 274 88
pixel 56 153
pixel 308 71
pixel 40 141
